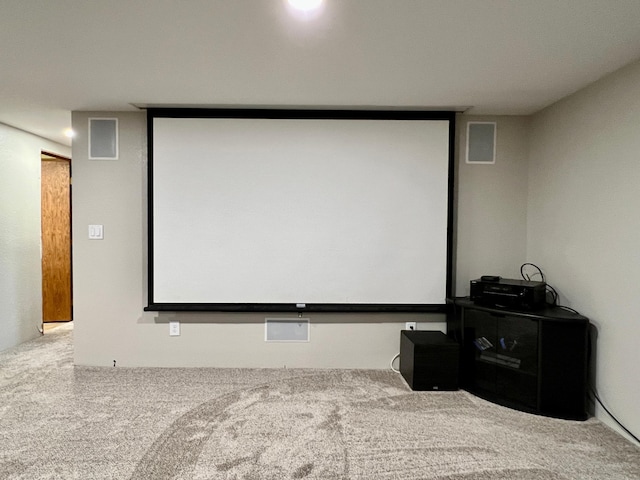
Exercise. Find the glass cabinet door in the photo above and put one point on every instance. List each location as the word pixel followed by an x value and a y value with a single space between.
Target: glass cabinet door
pixel 501 356
pixel 480 335
pixel 517 353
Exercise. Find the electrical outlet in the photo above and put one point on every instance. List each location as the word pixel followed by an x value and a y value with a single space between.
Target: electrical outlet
pixel 410 326
pixel 174 328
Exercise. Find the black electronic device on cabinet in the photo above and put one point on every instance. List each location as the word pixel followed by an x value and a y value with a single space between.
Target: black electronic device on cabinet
pixel 494 291
pixel 531 361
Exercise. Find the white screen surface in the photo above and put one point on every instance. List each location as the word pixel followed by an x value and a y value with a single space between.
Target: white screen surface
pixel 289 211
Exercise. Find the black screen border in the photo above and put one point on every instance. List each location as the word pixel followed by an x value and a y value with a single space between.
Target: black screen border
pixel 302 114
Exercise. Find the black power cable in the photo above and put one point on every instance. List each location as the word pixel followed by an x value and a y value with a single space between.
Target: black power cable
pixel 526 276
pixel 550 291
pixel 597 398
pixel 554 295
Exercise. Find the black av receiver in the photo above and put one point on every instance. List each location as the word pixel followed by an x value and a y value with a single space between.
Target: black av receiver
pixel 504 292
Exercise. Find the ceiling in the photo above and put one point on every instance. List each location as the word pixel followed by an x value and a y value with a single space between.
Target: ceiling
pixel 484 57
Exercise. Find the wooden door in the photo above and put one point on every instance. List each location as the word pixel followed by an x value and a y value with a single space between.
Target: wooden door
pixel 56 239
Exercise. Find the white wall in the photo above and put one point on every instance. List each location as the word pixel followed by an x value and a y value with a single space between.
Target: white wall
pixel 20 253
pixel 110 274
pixel 583 224
pixel 110 287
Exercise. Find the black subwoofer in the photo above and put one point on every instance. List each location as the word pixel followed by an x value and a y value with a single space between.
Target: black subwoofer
pixel 429 360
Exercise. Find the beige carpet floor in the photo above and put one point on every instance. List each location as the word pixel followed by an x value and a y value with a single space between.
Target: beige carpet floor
pixel 58 421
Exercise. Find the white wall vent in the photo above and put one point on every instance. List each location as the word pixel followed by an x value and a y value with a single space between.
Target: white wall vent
pixel 286 330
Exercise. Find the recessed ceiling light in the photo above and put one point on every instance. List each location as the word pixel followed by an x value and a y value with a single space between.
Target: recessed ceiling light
pixel 69 133
pixel 305 9
pixel 305 5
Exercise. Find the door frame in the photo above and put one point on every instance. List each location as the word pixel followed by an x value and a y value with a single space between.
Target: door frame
pixel 56 156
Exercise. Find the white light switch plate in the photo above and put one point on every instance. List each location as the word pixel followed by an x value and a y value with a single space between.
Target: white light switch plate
pixel 96 232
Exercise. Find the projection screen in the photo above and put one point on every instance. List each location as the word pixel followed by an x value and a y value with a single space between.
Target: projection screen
pixel 278 210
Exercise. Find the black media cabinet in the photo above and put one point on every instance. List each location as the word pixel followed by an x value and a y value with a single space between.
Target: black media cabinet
pixel 533 361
